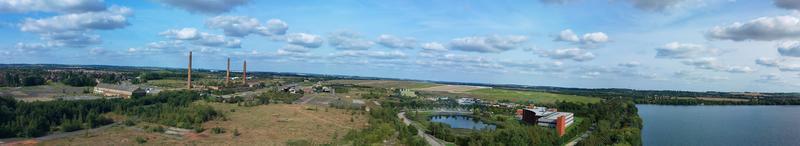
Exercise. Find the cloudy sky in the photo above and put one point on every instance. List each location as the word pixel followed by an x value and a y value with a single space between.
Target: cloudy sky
pixel 697 45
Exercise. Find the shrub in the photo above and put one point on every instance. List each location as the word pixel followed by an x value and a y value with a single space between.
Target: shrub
pixel 140 140
pixel 217 130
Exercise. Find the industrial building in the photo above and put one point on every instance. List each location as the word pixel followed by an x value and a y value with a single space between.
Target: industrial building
pixel 543 116
pixel 119 90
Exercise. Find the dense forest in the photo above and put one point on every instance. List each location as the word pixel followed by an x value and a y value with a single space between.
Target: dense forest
pixel 31 119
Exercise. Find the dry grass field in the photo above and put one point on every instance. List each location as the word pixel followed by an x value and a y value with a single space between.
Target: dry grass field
pixel 273 124
pixel 386 83
pixel 451 88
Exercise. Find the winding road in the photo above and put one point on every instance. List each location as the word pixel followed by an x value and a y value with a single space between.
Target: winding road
pixel 433 141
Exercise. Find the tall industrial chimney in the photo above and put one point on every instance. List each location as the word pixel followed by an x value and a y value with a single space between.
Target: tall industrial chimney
pixel 228 73
pixel 189 78
pixel 244 73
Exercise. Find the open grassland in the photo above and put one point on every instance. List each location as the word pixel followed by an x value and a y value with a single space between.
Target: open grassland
pixel 273 124
pixel 167 83
pixel 522 96
pixel 386 83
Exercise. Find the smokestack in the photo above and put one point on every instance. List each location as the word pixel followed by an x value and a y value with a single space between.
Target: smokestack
pixel 228 73
pixel 189 78
pixel 244 73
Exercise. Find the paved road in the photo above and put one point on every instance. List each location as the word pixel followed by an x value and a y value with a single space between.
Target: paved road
pixel 433 141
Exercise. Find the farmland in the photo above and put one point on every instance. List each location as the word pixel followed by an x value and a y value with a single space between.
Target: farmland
pixel 522 96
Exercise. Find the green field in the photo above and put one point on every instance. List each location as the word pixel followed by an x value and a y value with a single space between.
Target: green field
pixel 522 96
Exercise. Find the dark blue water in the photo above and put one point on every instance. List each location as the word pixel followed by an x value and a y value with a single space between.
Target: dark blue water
pixel 720 125
pixel 464 122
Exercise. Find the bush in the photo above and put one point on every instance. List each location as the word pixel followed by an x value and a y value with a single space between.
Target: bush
pixel 217 130
pixel 70 125
pixel 158 129
pixel 298 142
pixel 140 140
pixel 129 122
pixel 236 132
pixel 199 129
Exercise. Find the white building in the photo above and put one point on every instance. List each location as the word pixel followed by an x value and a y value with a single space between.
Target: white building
pixel 550 119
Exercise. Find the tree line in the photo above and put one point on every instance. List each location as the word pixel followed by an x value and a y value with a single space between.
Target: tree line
pixel 32 119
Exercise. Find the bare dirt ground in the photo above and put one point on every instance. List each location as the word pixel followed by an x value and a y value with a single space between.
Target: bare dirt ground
pixel 273 124
pixel 451 88
pixel 42 92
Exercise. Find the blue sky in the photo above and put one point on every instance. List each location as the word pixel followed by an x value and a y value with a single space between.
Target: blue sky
pixel 697 45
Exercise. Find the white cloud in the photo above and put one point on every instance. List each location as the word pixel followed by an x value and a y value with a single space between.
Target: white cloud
pixel 206 6
pixel 73 30
pixel 371 54
pixel 655 5
pixel 201 38
pixel 710 63
pixel 788 4
pixel 433 47
pixel 348 41
pixel 304 39
pixel 114 18
pixel 630 64
pixel 182 34
pixel 775 79
pixel 97 51
pixel 241 26
pixel 63 6
pixel 694 76
pixel 212 40
pixel 588 40
pixel 294 49
pixel 575 54
pixel 759 29
pixel 780 64
pixel 677 50
pixel 555 66
pixel 567 36
pixel 556 1
pixel 490 44
pixel 393 42
pixel 594 38
pixel 789 48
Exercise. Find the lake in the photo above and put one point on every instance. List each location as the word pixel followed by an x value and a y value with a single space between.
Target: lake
pixel 720 125
pixel 464 122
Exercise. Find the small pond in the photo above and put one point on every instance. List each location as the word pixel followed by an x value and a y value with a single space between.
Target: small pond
pixel 464 122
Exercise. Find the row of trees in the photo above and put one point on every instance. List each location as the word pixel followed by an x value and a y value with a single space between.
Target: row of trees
pixel 33 77
pixel 31 119
pixel 674 101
